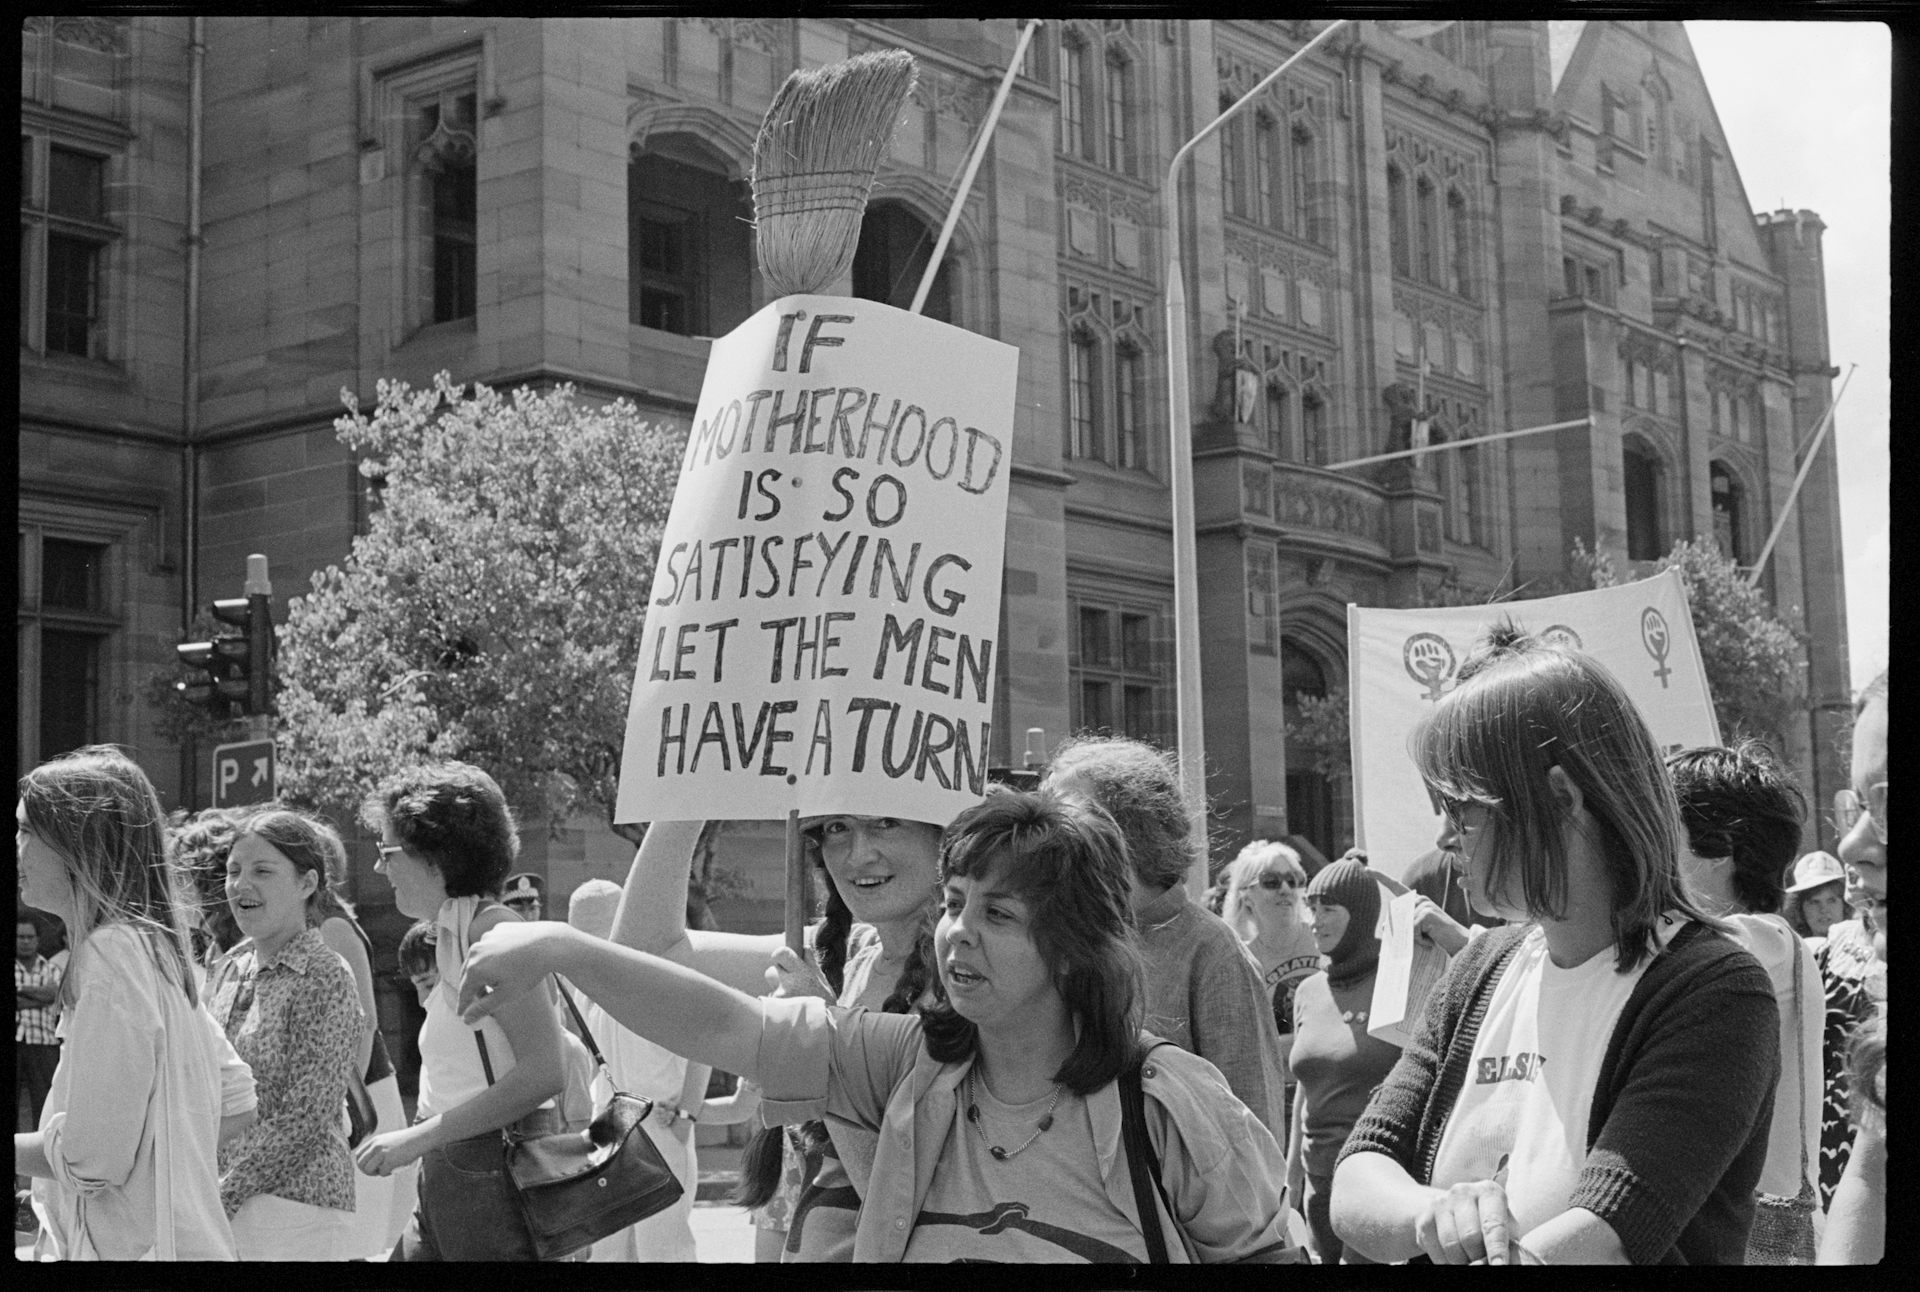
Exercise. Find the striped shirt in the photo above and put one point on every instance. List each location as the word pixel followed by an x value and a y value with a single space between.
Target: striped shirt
pixel 34 1025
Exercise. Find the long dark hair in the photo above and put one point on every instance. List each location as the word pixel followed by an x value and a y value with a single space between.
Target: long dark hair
pixel 760 1163
pixel 1066 859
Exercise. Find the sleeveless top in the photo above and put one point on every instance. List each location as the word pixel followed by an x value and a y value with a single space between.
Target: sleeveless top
pixel 450 1072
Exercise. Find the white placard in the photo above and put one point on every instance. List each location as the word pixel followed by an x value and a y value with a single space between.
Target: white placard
pixel 1401 662
pixel 824 621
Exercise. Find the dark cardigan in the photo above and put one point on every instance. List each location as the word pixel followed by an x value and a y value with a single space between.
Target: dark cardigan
pixel 1680 1113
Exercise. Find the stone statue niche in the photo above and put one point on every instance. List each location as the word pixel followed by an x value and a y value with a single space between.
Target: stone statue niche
pixel 1402 408
pixel 1236 398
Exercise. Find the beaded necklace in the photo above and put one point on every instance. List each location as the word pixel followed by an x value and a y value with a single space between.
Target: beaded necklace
pixel 1003 1154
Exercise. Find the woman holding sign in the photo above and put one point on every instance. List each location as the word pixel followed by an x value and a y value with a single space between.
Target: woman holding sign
pixel 872 951
pixel 998 1110
pixel 1593 1086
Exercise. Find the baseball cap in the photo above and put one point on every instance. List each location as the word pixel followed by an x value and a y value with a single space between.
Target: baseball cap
pixel 1815 869
pixel 526 886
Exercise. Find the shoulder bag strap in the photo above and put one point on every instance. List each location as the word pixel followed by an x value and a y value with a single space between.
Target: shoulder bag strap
pixel 1142 1162
pixel 586 1033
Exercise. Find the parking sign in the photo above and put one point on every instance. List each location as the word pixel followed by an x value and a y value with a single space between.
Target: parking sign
pixel 243 773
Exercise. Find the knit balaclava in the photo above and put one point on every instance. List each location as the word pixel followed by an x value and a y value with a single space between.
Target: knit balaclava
pixel 1350 885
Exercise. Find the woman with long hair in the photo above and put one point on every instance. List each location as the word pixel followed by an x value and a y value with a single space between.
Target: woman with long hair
pixel 289 1006
pixel 998 1108
pixel 873 949
pixel 124 1161
pixel 1592 1085
pixel 447 843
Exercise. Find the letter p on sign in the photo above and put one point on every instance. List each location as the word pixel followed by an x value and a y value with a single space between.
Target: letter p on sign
pixel 243 774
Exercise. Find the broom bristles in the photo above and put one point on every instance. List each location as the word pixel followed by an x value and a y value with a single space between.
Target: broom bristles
pixel 814 162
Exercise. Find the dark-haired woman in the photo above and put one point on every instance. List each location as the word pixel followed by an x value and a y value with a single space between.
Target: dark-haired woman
pixel 871 951
pixel 1594 1085
pixel 997 1109
pixel 289 1007
pixel 447 843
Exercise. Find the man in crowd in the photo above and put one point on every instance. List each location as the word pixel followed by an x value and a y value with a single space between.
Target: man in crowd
pixel 526 893
pixel 36 1046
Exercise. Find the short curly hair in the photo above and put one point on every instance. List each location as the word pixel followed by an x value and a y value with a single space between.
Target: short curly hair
pixel 453 816
pixel 1139 786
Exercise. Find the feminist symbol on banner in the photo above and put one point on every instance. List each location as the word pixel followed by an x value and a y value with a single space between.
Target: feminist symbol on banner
pixel 1429 660
pixel 1561 635
pixel 1655 636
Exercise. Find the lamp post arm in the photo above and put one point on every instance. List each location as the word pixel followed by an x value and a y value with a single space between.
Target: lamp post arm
pixel 1186 600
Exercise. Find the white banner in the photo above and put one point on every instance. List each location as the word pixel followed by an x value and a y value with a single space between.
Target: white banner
pixel 825 615
pixel 1400 662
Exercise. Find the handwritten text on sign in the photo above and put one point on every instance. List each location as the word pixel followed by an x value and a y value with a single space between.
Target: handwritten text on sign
pixel 824 617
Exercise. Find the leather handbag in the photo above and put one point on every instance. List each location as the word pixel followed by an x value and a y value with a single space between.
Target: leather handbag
pixel 575 1187
pixel 363 1119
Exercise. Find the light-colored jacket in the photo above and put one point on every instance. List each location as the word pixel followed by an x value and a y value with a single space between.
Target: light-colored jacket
pixel 133 1119
pixel 852 1068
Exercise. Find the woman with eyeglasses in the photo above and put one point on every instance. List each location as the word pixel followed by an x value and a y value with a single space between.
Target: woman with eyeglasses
pixel 1592 1084
pixel 447 841
pixel 1264 887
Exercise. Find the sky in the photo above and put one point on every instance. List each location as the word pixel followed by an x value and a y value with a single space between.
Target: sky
pixel 1806 107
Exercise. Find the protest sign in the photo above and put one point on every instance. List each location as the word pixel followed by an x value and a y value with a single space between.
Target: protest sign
pixel 1401 662
pixel 822 630
pixel 1409 967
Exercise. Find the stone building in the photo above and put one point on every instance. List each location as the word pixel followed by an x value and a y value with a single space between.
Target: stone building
pixel 228 220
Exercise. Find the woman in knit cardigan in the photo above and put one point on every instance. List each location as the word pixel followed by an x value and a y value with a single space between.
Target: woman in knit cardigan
pixel 1594 1086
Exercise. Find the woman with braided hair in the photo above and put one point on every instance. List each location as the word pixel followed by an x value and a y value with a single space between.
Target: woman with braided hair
pixel 873 949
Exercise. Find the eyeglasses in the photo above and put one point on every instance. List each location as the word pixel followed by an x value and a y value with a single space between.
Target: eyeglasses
pixel 1271 881
pixel 1848 807
pixel 388 849
pixel 1453 809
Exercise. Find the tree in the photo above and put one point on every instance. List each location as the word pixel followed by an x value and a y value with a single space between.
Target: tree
pixel 1754 662
pixel 493 610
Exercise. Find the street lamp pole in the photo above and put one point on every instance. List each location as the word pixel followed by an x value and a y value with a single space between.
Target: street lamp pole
pixel 1186 599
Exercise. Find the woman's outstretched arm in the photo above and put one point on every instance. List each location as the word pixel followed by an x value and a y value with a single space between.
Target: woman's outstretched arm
pixel 675 1007
pixel 653 915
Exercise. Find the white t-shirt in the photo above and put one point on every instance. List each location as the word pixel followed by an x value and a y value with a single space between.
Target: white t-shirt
pixel 1528 1097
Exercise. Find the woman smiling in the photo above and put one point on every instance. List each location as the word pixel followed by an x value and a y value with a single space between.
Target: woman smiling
pixel 998 1109
pixel 290 1008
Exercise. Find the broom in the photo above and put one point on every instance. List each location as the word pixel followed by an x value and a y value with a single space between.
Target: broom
pixel 813 166
pixel 814 163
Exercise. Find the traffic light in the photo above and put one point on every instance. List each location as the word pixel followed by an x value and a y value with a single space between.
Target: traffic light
pixel 234 669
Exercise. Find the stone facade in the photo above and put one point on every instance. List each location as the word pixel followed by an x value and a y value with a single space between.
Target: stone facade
pixel 1500 226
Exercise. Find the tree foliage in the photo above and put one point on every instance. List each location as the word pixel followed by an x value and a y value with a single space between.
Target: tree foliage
pixel 1322 732
pixel 493 610
pixel 1754 662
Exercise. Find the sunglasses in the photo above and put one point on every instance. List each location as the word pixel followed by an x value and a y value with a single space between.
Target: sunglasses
pixel 1271 881
pixel 1849 807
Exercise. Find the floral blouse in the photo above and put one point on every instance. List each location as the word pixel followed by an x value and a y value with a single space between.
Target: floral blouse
pixel 296 1021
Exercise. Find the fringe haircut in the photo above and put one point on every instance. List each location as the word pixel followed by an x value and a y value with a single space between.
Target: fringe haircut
pixel 1525 708
pixel 1067 860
